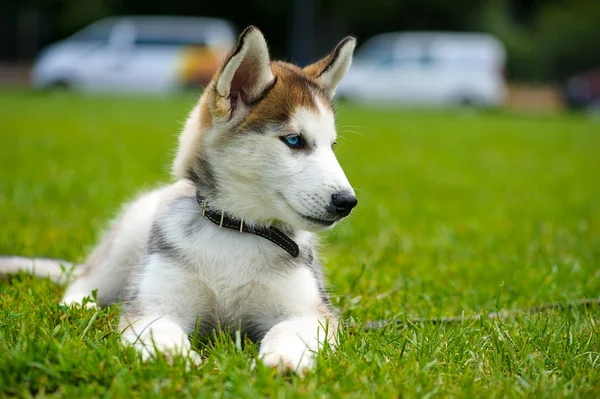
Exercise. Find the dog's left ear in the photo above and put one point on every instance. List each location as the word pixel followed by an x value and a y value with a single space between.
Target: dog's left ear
pixel 244 76
pixel 330 70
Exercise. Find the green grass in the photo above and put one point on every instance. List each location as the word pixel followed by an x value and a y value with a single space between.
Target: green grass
pixel 458 213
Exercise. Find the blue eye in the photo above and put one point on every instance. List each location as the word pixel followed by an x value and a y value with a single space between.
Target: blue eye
pixel 293 140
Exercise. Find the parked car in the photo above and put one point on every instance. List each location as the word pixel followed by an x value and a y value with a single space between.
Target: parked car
pixel 136 54
pixel 428 68
pixel 582 91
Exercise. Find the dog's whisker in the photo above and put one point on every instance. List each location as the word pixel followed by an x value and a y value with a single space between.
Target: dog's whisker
pixel 353 132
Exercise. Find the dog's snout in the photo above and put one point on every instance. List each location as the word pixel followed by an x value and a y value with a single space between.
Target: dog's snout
pixel 343 202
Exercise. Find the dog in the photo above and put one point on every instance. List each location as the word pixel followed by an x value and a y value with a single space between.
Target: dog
pixel 231 243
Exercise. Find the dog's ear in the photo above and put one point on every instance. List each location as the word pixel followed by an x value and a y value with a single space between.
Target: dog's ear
pixel 244 76
pixel 330 70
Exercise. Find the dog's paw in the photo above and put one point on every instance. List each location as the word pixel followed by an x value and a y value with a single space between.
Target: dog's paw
pixel 162 340
pixel 151 353
pixel 191 357
pixel 296 358
pixel 293 344
pixel 287 349
pixel 79 300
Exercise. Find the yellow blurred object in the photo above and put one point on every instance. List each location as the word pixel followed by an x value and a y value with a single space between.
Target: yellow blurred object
pixel 534 97
pixel 198 64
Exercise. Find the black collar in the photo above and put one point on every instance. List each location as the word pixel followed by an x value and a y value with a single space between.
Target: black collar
pixel 270 233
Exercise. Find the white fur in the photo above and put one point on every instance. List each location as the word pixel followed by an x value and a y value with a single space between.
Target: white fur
pixel 59 271
pixel 189 144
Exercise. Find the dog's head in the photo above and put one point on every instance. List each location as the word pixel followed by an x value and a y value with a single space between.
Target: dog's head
pixel 259 143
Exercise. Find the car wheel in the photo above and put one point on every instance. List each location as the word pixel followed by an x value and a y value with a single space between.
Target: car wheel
pixel 467 102
pixel 60 85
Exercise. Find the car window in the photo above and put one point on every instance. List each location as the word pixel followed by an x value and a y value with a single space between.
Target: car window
pixel 168 41
pixel 170 33
pixel 97 32
pixel 398 62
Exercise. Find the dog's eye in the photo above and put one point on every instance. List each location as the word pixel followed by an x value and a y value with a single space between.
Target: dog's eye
pixel 293 140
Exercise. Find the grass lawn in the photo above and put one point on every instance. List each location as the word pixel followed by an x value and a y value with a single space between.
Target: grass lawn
pixel 458 213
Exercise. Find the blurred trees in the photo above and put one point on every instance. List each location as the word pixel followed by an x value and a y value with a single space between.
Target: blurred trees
pixel 547 39
pixel 548 42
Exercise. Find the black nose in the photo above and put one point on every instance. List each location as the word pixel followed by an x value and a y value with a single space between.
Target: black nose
pixel 343 202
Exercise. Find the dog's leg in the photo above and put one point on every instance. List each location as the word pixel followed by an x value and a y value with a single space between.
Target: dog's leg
pixel 307 326
pixel 163 311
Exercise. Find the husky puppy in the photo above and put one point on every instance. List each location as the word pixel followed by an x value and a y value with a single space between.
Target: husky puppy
pixel 231 243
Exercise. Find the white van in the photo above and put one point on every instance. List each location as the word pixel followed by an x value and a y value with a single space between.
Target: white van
pixel 428 68
pixel 157 54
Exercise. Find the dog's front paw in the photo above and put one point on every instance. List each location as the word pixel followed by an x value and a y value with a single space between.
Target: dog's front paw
pixel 79 300
pixel 292 355
pixel 150 352
pixel 291 345
pixel 162 339
pixel 191 357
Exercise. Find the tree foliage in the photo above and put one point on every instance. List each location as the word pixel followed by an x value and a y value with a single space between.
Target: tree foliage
pixel 558 39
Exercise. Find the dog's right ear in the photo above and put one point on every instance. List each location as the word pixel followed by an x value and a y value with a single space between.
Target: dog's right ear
pixel 244 76
pixel 330 70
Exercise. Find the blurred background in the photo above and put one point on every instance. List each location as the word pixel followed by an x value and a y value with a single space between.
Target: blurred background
pixel 542 54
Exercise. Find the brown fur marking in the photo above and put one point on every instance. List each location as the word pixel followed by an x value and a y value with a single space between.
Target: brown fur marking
pixel 315 70
pixel 293 89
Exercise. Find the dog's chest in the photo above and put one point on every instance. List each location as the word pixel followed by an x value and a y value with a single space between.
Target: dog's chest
pixel 237 269
pixel 226 260
pixel 222 258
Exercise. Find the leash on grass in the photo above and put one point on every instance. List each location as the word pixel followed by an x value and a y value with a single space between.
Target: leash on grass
pixel 499 315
